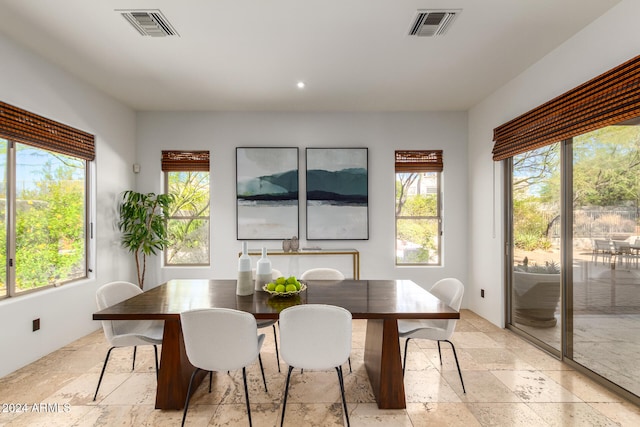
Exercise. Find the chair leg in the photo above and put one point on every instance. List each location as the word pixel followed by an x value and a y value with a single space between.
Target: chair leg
pixel 344 400
pixel 155 350
pixel 210 380
pixel 404 362
pixel 104 366
pixel 286 391
pixel 262 370
pixel 440 352
pixel 186 401
pixel 133 366
pixel 275 339
pixel 457 364
pixel 350 370
pixel 246 393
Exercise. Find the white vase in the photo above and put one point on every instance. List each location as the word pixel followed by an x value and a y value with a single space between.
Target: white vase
pixel 244 285
pixel 263 271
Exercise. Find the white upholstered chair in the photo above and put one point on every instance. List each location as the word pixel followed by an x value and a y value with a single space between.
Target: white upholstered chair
pixel 221 339
pixel 266 323
pixel 322 273
pixel 450 291
pixel 315 337
pixel 126 333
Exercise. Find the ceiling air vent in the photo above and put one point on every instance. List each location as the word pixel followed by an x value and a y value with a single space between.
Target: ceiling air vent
pixel 430 23
pixel 149 22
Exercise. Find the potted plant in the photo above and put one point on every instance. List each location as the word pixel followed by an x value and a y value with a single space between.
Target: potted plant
pixel 536 292
pixel 143 223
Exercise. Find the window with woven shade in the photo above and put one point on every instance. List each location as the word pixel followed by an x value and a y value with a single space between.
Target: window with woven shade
pixel 418 207
pixel 187 178
pixel 572 210
pixel 44 220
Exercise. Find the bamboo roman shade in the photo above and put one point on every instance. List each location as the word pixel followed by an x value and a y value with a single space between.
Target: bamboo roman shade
pixel 605 100
pixel 21 126
pixel 185 161
pixel 419 161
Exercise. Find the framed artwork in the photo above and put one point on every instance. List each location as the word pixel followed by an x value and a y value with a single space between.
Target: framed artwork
pixel 337 194
pixel 266 193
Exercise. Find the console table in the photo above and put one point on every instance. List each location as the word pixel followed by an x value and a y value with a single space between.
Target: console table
pixel 353 253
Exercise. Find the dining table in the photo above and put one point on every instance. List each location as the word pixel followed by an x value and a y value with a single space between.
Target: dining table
pixel 380 302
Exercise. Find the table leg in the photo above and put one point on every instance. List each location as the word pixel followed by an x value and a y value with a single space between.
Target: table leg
pixel 383 363
pixel 175 369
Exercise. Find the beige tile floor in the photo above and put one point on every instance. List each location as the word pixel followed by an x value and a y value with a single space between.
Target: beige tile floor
pixel 508 382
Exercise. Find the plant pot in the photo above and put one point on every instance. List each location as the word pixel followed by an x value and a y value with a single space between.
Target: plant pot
pixel 535 298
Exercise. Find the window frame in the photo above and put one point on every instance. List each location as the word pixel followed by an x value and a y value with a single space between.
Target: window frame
pixel 11 221
pixel 437 218
pixel 186 162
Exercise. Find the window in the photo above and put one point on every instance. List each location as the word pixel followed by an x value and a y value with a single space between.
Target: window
pixel 418 207
pixel 43 202
pixel 187 178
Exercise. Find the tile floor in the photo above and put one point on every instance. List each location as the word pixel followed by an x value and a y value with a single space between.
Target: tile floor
pixel 508 382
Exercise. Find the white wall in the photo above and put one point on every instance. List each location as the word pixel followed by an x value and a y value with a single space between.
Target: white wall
pixel 609 41
pixel 28 82
pixel 381 133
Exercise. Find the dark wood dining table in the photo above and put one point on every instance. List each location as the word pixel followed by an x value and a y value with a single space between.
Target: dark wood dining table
pixel 380 302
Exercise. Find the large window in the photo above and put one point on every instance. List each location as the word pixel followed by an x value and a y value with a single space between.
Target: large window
pixel 187 178
pixel 43 202
pixel 418 207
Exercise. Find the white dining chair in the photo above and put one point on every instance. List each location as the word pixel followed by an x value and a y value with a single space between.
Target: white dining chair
pixel 221 340
pixel 322 273
pixel 315 337
pixel 325 273
pixel 269 322
pixel 449 291
pixel 126 333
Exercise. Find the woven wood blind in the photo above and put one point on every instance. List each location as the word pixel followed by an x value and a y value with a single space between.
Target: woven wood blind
pixel 19 125
pixel 605 100
pixel 419 161
pixel 187 161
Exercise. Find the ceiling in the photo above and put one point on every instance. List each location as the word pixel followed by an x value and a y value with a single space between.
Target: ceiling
pixel 248 55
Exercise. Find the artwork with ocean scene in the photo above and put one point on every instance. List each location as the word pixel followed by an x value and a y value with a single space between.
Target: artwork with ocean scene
pixel 337 194
pixel 266 192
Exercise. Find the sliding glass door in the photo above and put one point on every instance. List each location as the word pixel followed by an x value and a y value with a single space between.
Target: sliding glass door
pixel 536 261
pixel 574 235
pixel 604 310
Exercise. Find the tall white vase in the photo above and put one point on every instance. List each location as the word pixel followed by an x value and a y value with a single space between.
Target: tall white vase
pixel 263 271
pixel 244 286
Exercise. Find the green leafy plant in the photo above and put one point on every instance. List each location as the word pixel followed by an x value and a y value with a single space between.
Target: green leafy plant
pixel 143 223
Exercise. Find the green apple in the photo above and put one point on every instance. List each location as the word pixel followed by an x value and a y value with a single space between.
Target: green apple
pixel 291 288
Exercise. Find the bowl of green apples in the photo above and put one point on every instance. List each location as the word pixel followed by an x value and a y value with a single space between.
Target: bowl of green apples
pixel 284 286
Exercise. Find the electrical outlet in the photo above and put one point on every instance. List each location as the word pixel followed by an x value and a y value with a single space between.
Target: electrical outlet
pixel 36 324
pixel 482 293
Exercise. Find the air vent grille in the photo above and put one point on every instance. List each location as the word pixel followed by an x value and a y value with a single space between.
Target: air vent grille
pixel 149 22
pixel 431 23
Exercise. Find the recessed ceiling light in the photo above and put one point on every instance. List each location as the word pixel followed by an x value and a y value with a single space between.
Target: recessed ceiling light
pixel 300 85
